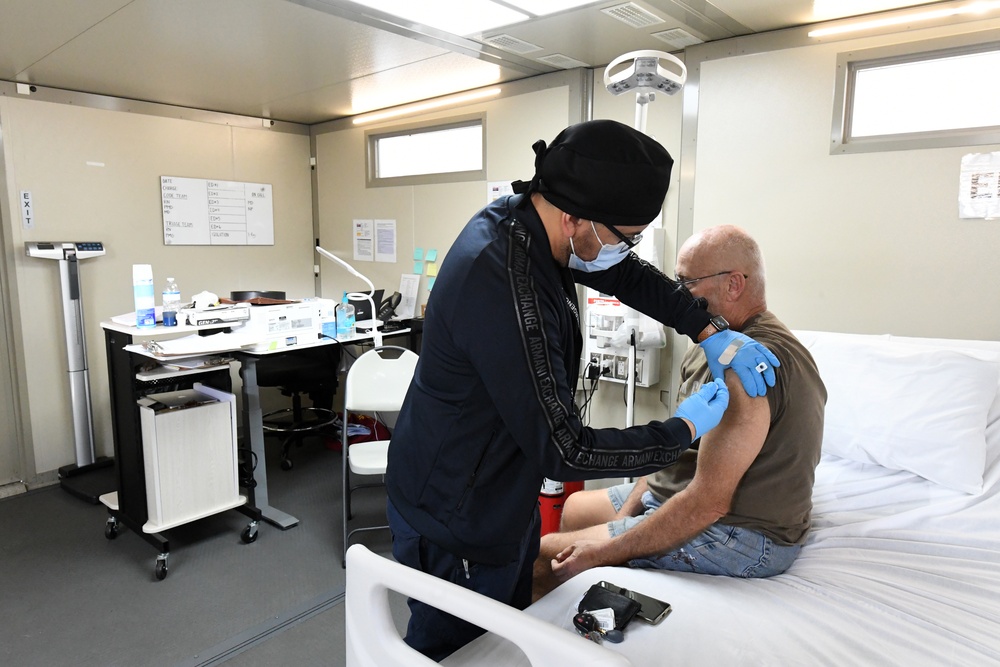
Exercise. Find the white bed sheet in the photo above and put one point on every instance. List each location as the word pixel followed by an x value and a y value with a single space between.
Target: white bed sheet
pixel 897 571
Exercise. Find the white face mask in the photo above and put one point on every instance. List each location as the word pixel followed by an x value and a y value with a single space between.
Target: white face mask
pixel 606 258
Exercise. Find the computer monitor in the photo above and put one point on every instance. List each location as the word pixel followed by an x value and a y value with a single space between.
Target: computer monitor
pixel 363 308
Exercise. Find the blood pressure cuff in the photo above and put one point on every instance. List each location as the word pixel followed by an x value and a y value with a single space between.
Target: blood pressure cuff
pixel 598 597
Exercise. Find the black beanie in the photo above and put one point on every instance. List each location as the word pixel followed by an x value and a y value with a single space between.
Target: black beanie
pixel 605 171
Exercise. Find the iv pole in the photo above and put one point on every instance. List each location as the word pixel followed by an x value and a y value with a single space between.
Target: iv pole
pixel 644 76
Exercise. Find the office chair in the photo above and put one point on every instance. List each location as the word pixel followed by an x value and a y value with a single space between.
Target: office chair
pixel 376 382
pixel 310 371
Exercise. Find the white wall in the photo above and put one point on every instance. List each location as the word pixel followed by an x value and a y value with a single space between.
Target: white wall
pixel 46 150
pixel 427 216
pixel 868 242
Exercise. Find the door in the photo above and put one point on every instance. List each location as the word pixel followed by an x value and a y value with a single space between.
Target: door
pixel 10 447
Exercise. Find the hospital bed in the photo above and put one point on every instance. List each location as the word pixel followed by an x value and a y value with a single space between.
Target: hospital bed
pixel 901 566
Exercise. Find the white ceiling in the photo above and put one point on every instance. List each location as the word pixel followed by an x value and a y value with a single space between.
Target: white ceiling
pixel 309 61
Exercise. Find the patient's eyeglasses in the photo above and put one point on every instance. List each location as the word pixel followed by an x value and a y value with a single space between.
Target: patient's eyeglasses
pixel 687 282
pixel 629 241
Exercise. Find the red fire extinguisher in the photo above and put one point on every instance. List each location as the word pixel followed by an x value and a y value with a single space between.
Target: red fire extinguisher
pixel 550 502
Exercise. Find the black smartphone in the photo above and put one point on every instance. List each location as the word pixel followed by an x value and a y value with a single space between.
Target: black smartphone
pixel 651 610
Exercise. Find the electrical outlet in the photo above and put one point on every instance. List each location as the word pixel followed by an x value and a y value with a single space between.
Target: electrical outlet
pixel 621 368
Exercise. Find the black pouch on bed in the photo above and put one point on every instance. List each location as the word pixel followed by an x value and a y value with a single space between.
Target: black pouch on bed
pixel 598 597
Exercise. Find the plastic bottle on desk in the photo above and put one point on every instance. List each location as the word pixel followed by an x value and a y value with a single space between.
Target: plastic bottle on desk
pixel 171 303
pixel 345 319
pixel 142 292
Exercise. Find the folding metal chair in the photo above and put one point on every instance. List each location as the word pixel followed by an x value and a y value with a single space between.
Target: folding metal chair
pixel 376 382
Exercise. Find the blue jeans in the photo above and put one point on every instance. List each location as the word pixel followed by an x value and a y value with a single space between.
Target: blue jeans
pixel 729 551
pixel 438 634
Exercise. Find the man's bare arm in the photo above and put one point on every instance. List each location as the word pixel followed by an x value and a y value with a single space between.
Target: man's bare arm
pixel 724 456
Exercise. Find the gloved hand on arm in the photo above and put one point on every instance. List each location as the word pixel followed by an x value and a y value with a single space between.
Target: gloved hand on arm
pixel 705 408
pixel 753 363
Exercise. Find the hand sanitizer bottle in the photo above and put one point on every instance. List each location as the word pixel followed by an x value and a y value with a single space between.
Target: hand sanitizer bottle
pixel 142 292
pixel 345 319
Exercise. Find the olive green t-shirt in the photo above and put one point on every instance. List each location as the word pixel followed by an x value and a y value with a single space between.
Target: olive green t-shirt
pixel 775 495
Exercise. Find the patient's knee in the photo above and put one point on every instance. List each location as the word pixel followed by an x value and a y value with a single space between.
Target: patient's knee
pixel 584 509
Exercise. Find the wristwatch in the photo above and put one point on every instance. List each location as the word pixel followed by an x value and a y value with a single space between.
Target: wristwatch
pixel 719 322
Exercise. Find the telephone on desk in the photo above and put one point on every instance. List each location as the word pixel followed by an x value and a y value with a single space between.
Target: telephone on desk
pixel 388 307
pixel 384 310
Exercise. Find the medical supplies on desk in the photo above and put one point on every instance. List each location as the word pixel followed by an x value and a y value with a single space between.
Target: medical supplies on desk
pixel 284 325
pixel 326 310
pixel 221 314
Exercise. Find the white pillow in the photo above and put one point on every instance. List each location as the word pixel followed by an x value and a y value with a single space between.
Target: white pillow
pixel 907 407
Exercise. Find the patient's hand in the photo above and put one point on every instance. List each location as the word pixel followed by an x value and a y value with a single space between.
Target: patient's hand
pixel 577 557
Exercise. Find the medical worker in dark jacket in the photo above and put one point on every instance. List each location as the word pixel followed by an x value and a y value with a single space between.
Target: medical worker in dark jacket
pixel 490 411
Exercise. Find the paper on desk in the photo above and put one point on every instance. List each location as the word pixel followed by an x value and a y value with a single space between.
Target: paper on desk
pixel 128 319
pixel 201 361
pixel 409 284
pixel 195 344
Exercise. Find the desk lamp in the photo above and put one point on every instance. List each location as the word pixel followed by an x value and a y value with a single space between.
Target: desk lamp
pixel 645 77
pixel 358 296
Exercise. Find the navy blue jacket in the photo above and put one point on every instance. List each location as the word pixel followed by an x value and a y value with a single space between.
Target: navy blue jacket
pixel 490 411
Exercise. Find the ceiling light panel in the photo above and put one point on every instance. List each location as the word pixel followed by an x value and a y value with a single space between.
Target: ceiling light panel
pixel 458 17
pixel 825 10
pixel 427 105
pixel 422 80
pixel 544 7
pixel 897 19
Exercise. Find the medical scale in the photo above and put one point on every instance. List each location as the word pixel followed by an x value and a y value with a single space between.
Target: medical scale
pixel 71 477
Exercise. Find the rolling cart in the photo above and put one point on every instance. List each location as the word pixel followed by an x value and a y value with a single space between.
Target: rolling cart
pixel 132 383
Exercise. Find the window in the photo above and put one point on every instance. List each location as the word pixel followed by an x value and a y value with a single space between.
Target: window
pixel 895 98
pixel 420 154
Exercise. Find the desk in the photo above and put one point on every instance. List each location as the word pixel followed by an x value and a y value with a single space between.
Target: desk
pixel 121 351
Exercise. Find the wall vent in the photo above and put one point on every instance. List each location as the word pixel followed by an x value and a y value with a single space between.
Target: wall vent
pixel 677 38
pixel 561 61
pixel 512 44
pixel 633 15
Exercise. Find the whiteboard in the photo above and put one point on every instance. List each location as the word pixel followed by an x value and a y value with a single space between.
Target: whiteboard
pixel 199 211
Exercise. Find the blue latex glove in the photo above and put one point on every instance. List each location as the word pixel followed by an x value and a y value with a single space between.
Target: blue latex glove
pixel 753 363
pixel 705 408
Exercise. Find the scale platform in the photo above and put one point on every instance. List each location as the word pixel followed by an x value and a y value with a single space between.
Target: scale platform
pixel 90 482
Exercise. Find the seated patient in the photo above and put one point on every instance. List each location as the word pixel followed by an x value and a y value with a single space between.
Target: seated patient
pixel 738 502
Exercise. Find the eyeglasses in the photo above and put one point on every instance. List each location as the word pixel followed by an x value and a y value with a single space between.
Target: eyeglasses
pixel 629 241
pixel 687 282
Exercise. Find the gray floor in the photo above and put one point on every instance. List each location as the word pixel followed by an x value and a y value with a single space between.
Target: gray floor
pixel 69 596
